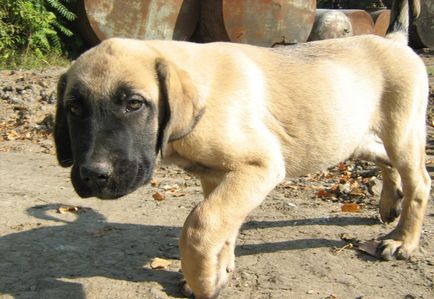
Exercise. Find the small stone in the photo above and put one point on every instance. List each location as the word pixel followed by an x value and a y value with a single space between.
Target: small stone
pixel 158 196
pixel 159 263
pixel 8 88
pixel 345 188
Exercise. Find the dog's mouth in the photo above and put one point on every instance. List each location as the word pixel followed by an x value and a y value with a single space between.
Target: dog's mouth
pixel 120 182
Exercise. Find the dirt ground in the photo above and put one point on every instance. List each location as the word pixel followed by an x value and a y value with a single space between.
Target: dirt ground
pixel 302 242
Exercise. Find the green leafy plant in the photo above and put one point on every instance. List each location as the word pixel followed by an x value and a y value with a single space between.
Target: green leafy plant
pixel 32 29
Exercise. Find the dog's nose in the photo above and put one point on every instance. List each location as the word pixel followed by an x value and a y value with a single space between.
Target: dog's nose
pixel 95 173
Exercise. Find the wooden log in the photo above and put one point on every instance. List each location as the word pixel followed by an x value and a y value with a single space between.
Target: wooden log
pixel 258 22
pixel 381 20
pixel 141 19
pixel 330 23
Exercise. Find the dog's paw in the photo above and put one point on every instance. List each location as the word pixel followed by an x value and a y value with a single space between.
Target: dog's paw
pixel 389 215
pixel 226 259
pixel 390 206
pixel 185 288
pixel 390 249
pixel 188 292
pixel 209 287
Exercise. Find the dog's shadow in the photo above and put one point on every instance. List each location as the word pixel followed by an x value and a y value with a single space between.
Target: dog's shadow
pixel 41 262
pixel 37 263
pixel 269 247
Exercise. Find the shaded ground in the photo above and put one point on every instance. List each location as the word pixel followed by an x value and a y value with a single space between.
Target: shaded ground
pixel 295 245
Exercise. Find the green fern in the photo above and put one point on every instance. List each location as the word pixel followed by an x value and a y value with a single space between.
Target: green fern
pixel 56 42
pixel 33 27
pixel 39 39
pixel 62 29
pixel 62 10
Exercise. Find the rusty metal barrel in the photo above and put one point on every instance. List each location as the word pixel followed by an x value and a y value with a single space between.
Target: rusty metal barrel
pixel 422 33
pixel 141 19
pixel 381 20
pixel 258 22
pixel 361 21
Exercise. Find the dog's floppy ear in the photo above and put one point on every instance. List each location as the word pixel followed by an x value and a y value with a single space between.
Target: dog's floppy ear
pixel 178 106
pixel 61 130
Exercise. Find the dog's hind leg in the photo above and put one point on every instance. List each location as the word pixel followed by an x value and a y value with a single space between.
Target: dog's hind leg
pixel 404 136
pixel 410 162
pixel 372 149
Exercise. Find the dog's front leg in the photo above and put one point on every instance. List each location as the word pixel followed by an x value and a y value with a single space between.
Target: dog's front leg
pixel 208 237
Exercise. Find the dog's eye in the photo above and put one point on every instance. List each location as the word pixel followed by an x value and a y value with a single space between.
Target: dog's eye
pixel 134 104
pixel 75 109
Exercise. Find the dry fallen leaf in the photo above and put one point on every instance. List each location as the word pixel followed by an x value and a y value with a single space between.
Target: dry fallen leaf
pixel 159 263
pixel 154 183
pixel 342 167
pixel 158 196
pixel 370 247
pixel 178 194
pixel 172 188
pixel 323 193
pixel 308 187
pixel 291 187
pixel 357 192
pixel 354 184
pixel 334 188
pixel 350 207
pixel 12 135
pixel 69 209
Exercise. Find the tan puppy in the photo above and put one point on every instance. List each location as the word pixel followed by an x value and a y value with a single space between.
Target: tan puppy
pixel 242 118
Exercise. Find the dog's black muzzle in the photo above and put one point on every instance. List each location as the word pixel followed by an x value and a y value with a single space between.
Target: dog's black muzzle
pixel 107 181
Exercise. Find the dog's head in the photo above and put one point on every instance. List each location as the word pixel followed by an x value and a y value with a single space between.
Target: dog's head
pixel 118 106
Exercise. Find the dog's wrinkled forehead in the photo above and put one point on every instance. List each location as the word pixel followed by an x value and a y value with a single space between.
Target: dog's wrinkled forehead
pixel 110 67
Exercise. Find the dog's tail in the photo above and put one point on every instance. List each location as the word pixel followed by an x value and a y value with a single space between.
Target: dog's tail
pixel 403 13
